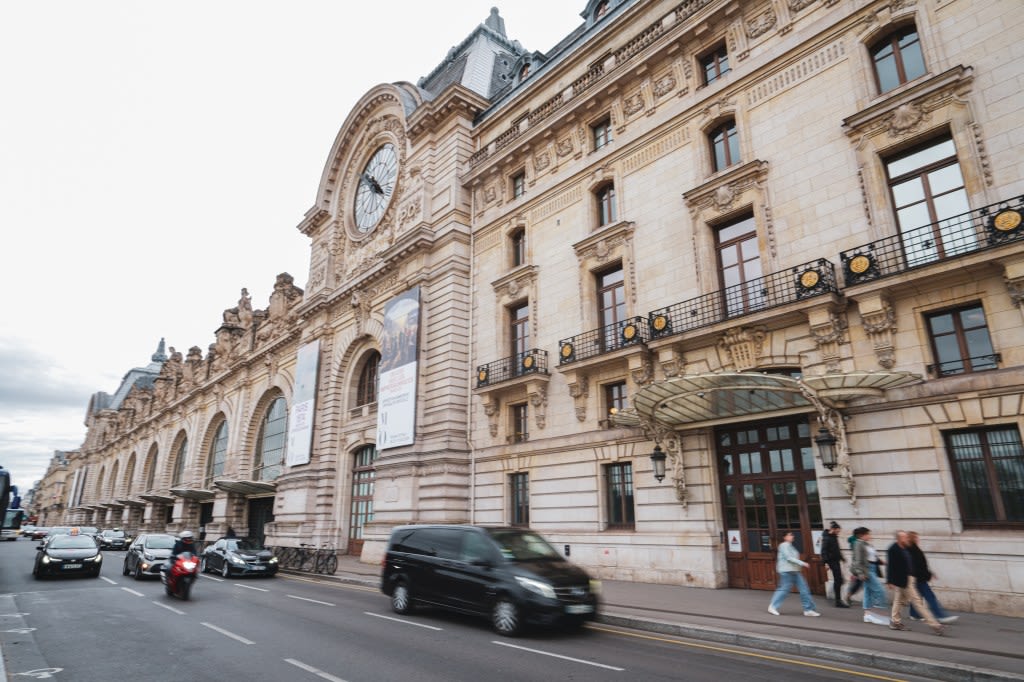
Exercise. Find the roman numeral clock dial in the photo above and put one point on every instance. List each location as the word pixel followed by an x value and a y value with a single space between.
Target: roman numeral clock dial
pixel 376 187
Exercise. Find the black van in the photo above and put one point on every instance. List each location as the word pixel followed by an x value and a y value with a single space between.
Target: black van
pixel 511 575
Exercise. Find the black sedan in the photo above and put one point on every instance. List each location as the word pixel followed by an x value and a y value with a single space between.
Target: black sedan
pixel 113 538
pixel 146 555
pixel 68 555
pixel 237 556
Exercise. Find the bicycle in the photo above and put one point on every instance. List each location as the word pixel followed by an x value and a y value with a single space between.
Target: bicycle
pixel 326 559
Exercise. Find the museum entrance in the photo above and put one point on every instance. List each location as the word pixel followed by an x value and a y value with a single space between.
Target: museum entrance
pixel 769 486
pixel 261 512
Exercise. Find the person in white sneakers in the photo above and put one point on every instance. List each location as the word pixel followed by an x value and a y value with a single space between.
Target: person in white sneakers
pixel 789 567
pixel 865 567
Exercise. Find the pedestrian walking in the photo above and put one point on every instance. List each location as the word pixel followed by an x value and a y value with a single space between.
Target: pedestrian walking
pixel 902 582
pixel 789 568
pixel 833 558
pixel 924 576
pixel 865 561
pixel 855 583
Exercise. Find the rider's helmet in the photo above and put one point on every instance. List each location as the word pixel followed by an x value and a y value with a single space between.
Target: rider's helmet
pixel 186 536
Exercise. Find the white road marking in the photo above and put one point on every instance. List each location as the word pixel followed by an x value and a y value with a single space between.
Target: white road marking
pixel 250 587
pixel 103 577
pixel 169 608
pixel 548 653
pixel 315 601
pixel 227 633
pixel 310 669
pixel 399 620
pixel 131 591
pixel 210 577
pixel 12 615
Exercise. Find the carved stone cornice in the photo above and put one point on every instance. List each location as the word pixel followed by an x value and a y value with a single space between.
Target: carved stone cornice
pixel 745 346
pixel 579 390
pixel 829 334
pixel 880 326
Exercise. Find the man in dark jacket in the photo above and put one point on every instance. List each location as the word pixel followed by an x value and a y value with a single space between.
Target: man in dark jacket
pixel 900 579
pixel 833 558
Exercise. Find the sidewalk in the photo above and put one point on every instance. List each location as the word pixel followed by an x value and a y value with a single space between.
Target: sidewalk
pixel 976 647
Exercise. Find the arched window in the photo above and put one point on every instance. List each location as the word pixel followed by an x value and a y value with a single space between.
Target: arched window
pixel 725 146
pixel 179 463
pixel 151 463
pixel 271 441
pixel 897 58
pixel 112 482
pixel 98 492
pixel 366 393
pixel 524 71
pixel 218 455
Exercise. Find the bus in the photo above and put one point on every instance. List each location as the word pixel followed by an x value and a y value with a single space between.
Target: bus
pixel 12 524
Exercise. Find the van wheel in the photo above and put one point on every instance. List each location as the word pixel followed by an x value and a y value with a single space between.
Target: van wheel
pixel 505 617
pixel 401 598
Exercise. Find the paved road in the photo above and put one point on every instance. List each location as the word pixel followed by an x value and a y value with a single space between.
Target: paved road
pixel 285 628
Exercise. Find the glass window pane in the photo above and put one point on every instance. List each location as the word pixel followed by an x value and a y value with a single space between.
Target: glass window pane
pixel 945 179
pixel 888 77
pixel 914 216
pixel 941 324
pixel 921 158
pixel 909 192
pixel 913 60
pixel 978 343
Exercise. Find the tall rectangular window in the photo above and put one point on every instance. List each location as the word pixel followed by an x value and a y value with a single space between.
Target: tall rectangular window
pixel 960 341
pixel 606 213
pixel 725 146
pixel 715 64
pixel 619 489
pixel 740 260
pixel 988 470
pixel 519 426
pixel 611 306
pixel 518 185
pixel 929 196
pixel 601 132
pixel 614 398
pixel 519 498
pixel 520 329
pixel 518 247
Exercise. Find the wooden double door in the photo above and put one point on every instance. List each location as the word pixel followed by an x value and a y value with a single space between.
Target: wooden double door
pixel 769 487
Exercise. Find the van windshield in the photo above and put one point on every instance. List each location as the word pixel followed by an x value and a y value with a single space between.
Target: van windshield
pixel 523 545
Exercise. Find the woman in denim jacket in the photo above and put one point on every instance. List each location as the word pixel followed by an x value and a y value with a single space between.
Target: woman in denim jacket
pixel 789 567
pixel 865 558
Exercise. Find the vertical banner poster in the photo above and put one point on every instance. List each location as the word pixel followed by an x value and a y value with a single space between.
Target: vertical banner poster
pixel 300 421
pixel 396 396
pixel 816 539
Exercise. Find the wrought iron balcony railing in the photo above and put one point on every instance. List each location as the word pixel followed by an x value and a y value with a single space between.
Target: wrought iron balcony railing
pixel 983 228
pixel 779 288
pixel 978 363
pixel 602 340
pixel 533 361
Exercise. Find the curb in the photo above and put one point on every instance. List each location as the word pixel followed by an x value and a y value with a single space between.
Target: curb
pixel 908 665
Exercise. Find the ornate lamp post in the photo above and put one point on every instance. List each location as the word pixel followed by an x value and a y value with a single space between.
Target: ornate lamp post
pixel 826 443
pixel 658 460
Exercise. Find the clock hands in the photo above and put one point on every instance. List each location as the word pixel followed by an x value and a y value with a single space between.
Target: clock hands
pixel 372 182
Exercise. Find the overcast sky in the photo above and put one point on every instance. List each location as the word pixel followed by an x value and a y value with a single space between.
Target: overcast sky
pixel 155 158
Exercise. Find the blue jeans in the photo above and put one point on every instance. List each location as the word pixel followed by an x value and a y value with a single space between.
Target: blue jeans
pixel 925 590
pixel 874 593
pixel 786 581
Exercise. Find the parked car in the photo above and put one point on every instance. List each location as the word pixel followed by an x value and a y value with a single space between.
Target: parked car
pixel 238 556
pixel 39 532
pixel 511 575
pixel 68 554
pixel 113 538
pixel 146 554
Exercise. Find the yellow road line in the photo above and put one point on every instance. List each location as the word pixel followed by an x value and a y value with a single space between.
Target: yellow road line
pixel 748 654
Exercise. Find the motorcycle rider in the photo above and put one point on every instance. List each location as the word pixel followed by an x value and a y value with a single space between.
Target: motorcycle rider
pixel 184 543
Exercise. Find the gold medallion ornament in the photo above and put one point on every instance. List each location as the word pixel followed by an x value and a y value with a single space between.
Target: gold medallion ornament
pixel 528 362
pixel 860 264
pixel 566 350
pixel 629 332
pixel 481 376
pixel 809 279
pixel 659 323
pixel 1007 221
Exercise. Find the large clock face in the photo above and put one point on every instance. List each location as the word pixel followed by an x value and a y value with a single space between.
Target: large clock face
pixel 376 187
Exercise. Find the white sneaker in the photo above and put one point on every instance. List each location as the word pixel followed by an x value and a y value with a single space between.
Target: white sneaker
pixel 949 619
pixel 875 619
pixel 916 618
pixel 812 613
pixel 772 610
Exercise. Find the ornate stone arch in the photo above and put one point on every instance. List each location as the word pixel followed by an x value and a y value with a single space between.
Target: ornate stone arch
pixel 127 482
pixel 174 455
pixel 150 468
pixel 202 456
pixel 98 485
pixel 249 445
pixel 112 481
pixel 350 350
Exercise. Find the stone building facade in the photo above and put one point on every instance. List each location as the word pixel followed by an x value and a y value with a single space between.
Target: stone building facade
pixel 777 242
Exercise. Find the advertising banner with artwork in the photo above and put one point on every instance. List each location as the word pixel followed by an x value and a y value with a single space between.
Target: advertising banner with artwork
pixel 300 420
pixel 396 395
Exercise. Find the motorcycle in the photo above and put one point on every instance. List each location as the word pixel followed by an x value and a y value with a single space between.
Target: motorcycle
pixel 179 577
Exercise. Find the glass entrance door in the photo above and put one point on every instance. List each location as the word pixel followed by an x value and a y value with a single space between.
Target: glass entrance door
pixel 769 486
